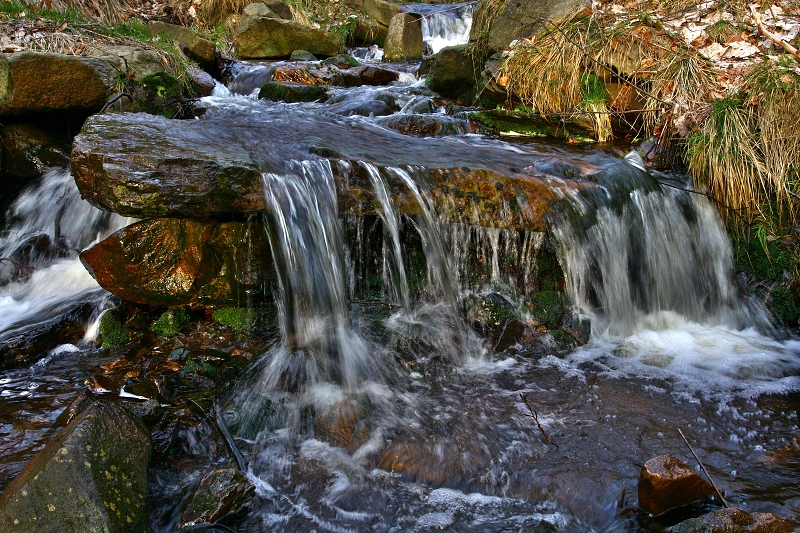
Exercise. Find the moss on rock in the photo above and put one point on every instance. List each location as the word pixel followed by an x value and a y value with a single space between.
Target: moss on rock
pixel 112 332
pixel 170 322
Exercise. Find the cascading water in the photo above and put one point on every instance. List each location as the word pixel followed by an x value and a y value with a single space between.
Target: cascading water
pixel 446 24
pixel 40 275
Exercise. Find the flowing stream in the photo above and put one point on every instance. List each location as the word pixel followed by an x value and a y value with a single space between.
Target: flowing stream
pixel 398 416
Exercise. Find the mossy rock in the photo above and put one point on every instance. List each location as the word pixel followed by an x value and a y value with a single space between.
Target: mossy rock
pixel 499 121
pixel 159 93
pixel 549 307
pixel 170 322
pixel 112 332
pixel 239 318
pixel 783 306
pixel 292 92
pixel 342 61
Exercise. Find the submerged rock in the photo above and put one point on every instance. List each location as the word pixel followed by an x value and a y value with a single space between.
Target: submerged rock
pixel 180 261
pixel 219 493
pixel 734 521
pixel 666 483
pixel 91 477
pixel 429 125
pixel 293 92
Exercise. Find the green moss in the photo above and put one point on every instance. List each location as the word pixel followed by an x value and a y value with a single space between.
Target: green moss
pixel 239 318
pixel 562 336
pixel 342 59
pixel 200 368
pixel 500 121
pixel 549 306
pixel 762 258
pixel 112 332
pixel 781 303
pixel 170 322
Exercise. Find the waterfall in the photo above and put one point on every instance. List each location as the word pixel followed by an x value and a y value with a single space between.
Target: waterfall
pixel 445 25
pixel 40 274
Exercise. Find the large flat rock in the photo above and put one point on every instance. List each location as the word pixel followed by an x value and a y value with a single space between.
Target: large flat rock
pixel 265 38
pixel 139 165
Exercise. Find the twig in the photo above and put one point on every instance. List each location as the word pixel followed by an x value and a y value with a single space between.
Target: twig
pixel 228 438
pixel 387 304
pixel 772 37
pixel 536 419
pixel 707 195
pixel 16 264
pixel 117 97
pixel 719 493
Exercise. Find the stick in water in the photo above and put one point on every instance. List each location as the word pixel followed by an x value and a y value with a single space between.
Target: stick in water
pixel 536 419
pixel 719 493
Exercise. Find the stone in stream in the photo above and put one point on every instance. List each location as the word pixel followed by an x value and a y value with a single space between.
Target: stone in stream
pixel 91 477
pixel 452 72
pixel 30 149
pixel 666 483
pixel 734 521
pixel 181 261
pixel 315 74
pixel 34 82
pixel 266 38
pixel 371 75
pixel 428 125
pixel 302 55
pixel 293 92
pixel 404 38
pixel 140 165
pixel 219 493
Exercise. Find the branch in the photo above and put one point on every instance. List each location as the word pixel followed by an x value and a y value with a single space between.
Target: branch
pixel 772 37
pixel 719 493
pixel 536 419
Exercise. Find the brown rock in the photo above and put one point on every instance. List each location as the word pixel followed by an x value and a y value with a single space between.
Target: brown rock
pixel 375 75
pixel 404 38
pixel 316 75
pixel 32 82
pixel 666 483
pixel 734 521
pixel 196 47
pixel 178 261
pixel 265 38
pixel 379 10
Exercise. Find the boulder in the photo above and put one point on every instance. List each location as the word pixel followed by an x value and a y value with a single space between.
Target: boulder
pixel 734 521
pixel 379 10
pixel 203 83
pixel 293 92
pixel 494 317
pixel 519 20
pixel 452 72
pixel 266 38
pixel 92 476
pixel 195 47
pixel 31 149
pixel 365 108
pixel 219 493
pixel 140 165
pixel 666 483
pixel 33 82
pixel 130 61
pixel 375 75
pixel 404 38
pixel 302 55
pixel 179 261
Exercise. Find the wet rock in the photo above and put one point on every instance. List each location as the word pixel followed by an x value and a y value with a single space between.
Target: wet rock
pixel 302 55
pixel 375 75
pixel 520 20
pixel 202 81
pixel 141 166
pixel 734 521
pixel 428 125
pixel 30 149
pixel 265 38
pixel 501 121
pixel 342 61
pixel 379 10
pixel 452 72
pixel 78 405
pixel 786 456
pixel 666 483
pixel 195 47
pixel 316 75
pixel 91 477
pixel 365 108
pixel 404 38
pixel 218 494
pixel 345 425
pixel 293 92
pixel 179 261
pixel 33 82
pixel 495 318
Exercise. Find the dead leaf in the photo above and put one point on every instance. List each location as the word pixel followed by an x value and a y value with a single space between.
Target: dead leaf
pixel 62 26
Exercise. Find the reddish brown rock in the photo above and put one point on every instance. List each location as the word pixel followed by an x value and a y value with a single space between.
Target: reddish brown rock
pixel 666 483
pixel 734 521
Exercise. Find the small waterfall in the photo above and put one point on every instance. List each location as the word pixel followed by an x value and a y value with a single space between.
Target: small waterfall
pixel 445 25
pixel 40 274
pixel 648 251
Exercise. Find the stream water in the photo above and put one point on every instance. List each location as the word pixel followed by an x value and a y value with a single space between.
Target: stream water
pixel 405 419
